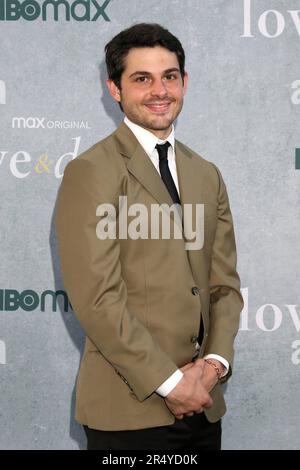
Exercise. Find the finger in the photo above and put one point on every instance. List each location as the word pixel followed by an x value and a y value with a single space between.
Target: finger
pixel 209 403
pixel 179 416
pixel 190 414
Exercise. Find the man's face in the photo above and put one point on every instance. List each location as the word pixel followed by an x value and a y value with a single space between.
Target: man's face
pixel 152 89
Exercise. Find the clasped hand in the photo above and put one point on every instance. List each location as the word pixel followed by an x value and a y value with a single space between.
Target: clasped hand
pixel 191 394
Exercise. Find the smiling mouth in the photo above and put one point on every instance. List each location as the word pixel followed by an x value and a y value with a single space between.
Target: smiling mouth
pixel 159 107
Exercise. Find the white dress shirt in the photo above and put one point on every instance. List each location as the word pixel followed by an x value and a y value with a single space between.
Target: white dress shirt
pixel 149 141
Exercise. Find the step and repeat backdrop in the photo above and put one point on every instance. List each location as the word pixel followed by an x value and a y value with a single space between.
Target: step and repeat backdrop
pixel 241 111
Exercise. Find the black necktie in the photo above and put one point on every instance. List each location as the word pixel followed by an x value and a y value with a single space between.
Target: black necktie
pixel 165 171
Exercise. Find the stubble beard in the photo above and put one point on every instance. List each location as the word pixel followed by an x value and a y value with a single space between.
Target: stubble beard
pixel 152 123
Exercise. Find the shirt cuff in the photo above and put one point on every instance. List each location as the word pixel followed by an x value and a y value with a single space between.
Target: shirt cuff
pixel 221 359
pixel 167 386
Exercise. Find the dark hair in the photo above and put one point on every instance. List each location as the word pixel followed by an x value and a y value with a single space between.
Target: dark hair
pixel 139 35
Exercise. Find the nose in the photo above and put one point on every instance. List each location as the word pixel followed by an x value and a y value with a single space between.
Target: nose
pixel 159 89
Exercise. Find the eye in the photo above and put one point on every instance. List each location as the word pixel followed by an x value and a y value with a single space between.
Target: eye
pixel 141 79
pixel 171 76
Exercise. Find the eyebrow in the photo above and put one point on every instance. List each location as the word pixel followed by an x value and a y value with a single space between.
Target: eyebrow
pixel 144 72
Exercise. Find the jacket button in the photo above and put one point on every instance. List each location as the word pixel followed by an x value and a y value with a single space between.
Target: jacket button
pixel 195 290
pixel 194 339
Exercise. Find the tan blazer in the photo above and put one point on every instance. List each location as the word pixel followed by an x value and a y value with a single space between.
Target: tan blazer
pixel 135 299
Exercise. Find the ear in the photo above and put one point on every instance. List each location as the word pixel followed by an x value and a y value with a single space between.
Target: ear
pixel 185 82
pixel 113 90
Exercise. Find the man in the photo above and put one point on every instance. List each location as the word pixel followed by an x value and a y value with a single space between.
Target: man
pixel 160 319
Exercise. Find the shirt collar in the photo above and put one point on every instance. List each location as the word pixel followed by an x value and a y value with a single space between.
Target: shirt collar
pixel 148 140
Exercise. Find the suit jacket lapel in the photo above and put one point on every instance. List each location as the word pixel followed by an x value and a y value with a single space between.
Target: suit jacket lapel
pixel 191 186
pixel 140 166
pixel 189 181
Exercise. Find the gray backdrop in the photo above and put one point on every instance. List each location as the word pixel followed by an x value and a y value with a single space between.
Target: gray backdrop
pixel 241 112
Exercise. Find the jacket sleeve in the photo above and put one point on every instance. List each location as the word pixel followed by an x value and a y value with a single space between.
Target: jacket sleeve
pixel 91 272
pixel 226 301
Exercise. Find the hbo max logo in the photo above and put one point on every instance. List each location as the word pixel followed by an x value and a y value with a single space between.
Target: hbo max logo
pixel 29 300
pixel 30 10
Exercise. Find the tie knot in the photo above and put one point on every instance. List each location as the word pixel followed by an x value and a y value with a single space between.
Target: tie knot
pixel 163 150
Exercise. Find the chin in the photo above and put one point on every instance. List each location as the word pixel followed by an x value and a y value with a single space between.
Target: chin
pixel 160 124
pixel 161 127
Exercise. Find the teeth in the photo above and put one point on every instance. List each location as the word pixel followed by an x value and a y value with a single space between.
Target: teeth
pixel 159 107
pixel 160 104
